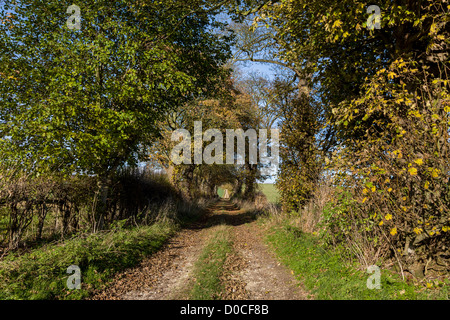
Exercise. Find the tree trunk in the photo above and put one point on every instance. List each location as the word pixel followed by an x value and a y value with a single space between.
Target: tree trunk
pixel 238 188
pixel 250 182
pixel 102 202
pixel 42 215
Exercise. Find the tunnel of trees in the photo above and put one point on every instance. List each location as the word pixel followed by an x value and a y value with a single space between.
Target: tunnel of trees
pixel 87 115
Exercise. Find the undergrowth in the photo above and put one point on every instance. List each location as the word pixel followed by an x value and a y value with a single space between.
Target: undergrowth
pixel 326 275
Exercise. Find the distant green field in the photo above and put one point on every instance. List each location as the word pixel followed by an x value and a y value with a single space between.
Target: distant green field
pixel 270 191
pixel 221 192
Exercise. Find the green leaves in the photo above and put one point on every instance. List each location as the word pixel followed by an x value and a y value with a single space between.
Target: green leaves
pixel 87 100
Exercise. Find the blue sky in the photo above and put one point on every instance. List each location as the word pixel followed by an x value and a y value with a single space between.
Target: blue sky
pixel 265 69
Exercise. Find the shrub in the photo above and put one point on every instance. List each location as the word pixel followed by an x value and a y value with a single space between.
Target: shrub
pixel 396 169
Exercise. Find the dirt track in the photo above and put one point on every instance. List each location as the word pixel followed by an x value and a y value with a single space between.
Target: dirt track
pixel 252 270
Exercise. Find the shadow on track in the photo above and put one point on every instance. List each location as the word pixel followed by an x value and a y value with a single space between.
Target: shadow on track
pixel 223 212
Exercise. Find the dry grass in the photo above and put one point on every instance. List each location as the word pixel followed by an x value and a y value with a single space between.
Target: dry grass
pixel 312 213
pixel 308 219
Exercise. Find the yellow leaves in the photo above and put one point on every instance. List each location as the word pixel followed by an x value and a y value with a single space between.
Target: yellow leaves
pixel 390 190
pixel 412 171
pixel 435 172
pixel 434 231
pixel 418 230
pixel 408 101
pixel 445 228
pixel 391 75
pixel 364 200
pixel 381 223
pixel 337 24
pixel 433 29
pixel 374 189
pixel 398 153
pixel 394 231
pixel 415 113
pixel 401 63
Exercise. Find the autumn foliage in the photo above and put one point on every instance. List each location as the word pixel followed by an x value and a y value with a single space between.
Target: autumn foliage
pixel 379 129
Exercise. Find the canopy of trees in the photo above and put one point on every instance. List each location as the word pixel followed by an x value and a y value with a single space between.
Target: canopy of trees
pixel 362 110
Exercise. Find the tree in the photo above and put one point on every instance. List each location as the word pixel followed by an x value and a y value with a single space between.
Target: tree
pixel 290 101
pixel 301 159
pixel 229 108
pixel 385 99
pixel 89 100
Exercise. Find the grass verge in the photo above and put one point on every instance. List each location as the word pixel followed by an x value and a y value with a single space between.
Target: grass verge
pixel 42 273
pixel 210 266
pixel 327 276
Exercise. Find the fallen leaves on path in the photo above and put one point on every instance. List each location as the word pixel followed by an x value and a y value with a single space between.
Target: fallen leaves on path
pixel 252 271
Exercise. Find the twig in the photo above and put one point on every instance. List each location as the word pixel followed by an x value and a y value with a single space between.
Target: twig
pixel 398 260
pixel 426 266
